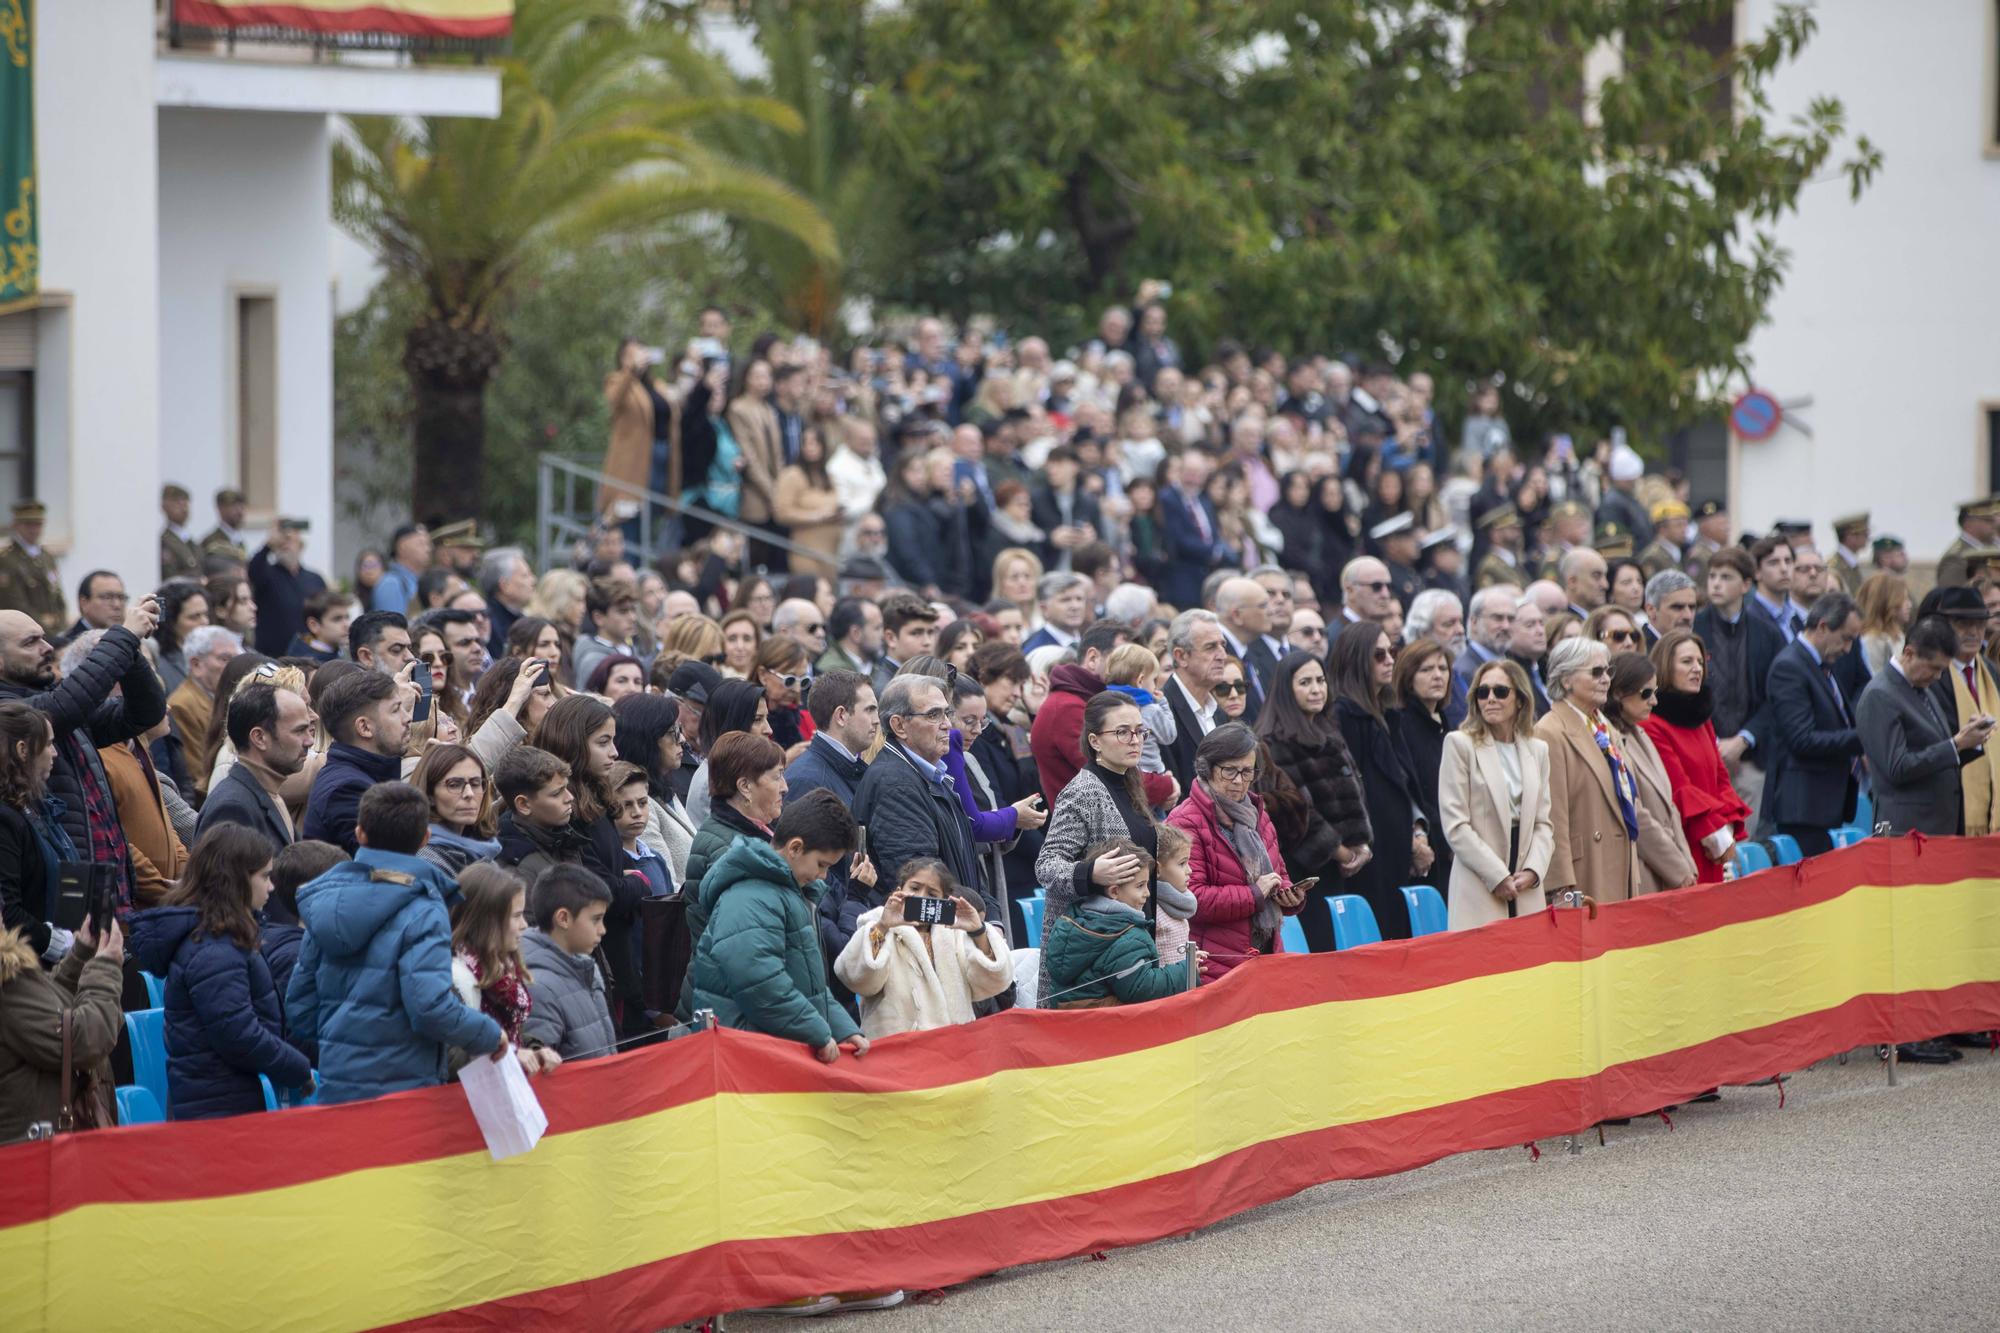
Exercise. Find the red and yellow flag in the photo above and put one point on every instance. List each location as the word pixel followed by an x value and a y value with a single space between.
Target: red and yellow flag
pixel 727 1170
pixel 450 20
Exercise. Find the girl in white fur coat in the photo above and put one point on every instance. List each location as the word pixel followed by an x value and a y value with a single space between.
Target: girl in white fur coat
pixel 914 977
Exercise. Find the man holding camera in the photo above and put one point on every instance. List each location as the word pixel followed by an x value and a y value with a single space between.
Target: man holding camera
pixel 280 584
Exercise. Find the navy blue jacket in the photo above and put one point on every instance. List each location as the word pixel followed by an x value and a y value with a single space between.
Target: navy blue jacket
pixel 279 942
pixel 223 1024
pixel 335 801
pixel 1812 747
pixel 916 543
pixel 1189 558
pixel 1764 641
pixel 373 983
pixel 281 595
pixel 823 766
pixel 910 815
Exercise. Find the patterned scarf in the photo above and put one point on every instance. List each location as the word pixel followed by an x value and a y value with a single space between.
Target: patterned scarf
pixel 1621 776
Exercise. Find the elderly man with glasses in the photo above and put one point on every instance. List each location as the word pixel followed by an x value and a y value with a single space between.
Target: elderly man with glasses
pixel 906 800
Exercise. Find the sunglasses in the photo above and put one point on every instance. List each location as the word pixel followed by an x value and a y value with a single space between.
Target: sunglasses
pixel 791 682
pixel 813 629
pixel 1493 692
pixel 1232 687
pixel 1621 636
pixel 715 659
pixel 1599 672
pixel 1650 693
pixel 1384 655
pixel 438 657
pixel 1382 586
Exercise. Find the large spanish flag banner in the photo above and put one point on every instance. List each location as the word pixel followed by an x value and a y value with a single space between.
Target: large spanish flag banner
pixel 726 1170
pixel 433 20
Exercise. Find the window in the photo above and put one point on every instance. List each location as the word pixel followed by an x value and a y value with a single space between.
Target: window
pixel 17 436
pixel 257 400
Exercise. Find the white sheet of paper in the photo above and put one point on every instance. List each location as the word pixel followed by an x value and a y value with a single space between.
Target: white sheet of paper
pixel 508 1112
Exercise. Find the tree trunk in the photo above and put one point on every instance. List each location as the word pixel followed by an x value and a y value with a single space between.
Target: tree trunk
pixel 449 366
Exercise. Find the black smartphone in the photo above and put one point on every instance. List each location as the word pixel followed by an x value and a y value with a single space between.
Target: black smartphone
pixel 860 841
pixel 421 710
pixel 929 911
pixel 103 900
pixel 85 892
pixel 1305 883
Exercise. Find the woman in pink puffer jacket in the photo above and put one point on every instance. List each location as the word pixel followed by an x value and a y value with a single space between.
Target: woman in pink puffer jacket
pixel 1235 868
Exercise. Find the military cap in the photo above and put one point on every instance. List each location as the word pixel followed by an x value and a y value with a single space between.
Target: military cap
pixel 30 509
pixel 1847 523
pixel 1667 509
pixel 1499 516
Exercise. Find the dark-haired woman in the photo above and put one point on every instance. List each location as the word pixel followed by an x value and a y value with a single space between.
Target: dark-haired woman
pixel 649 735
pixel 1713 816
pixel 1422 686
pixel 1328 835
pixel 453 780
pixel 734 705
pixel 1103 801
pixel 183 610
pixel 224 1026
pixel 1665 860
pixel 805 502
pixel 1360 668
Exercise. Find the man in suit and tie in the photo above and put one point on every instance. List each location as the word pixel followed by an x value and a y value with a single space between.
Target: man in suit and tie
pixel 1914 755
pixel 1188 523
pixel 1200 654
pixel 1813 776
pixel 1770 598
pixel 1487 634
pixel 1244 608
pixel 1968 689
pixel 1526 646
pixel 272 730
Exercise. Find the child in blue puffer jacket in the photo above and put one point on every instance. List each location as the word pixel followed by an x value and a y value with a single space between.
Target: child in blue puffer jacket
pixel 223 1023
pixel 373 982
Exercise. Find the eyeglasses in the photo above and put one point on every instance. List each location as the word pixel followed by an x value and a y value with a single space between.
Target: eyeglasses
pixel 1485 692
pixel 1649 693
pixel 1599 672
pixel 1232 687
pixel 715 659
pixel 437 657
pixel 463 786
pixel 1380 586
pixel 1384 655
pixel 971 727
pixel 1621 636
pixel 934 715
pixel 791 682
pixel 1236 772
pixel 813 629
pixel 1126 734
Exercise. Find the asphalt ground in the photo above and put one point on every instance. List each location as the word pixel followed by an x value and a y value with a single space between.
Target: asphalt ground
pixel 1857 1205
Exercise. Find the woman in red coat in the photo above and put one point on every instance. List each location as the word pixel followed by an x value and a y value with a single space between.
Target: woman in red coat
pixel 1712 814
pixel 1235 868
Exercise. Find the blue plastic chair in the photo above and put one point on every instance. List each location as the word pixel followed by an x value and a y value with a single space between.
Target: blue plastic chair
pixel 270 1092
pixel 156 990
pixel 136 1106
pixel 1353 921
pixel 1848 836
pixel 146 1030
pixel 1751 857
pixel 1864 813
pixel 1031 920
pixel 1786 849
pixel 1427 916
pixel 1293 936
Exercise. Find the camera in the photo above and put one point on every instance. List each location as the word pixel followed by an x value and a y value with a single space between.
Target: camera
pixel 929 911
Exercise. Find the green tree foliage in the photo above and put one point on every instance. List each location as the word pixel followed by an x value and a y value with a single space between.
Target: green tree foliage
pixel 1428 182
pixel 600 137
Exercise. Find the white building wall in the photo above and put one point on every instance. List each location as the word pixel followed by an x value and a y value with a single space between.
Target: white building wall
pixel 244 199
pixel 1885 319
pixel 98 400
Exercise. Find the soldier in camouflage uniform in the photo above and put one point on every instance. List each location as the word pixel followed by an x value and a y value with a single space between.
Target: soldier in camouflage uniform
pixel 180 557
pixel 1670 524
pixel 1850 543
pixel 1711 520
pixel 28 573
pixel 228 539
pixel 1502 563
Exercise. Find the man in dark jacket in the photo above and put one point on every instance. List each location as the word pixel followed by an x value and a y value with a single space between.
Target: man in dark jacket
pixel 272 730
pixel 84 715
pixel 1814 773
pixel 906 799
pixel 1189 526
pixel 845 715
pixel 369 720
pixel 1741 647
pixel 281 585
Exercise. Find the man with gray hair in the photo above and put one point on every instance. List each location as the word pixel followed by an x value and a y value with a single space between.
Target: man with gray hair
pixel 1435 614
pixel 801 621
pixel 906 798
pixel 1547 594
pixel 1131 604
pixel 1586 580
pixel 208 649
pixel 507 581
pixel 1065 603
pixel 1365 590
pixel 1200 654
pixel 1670 604
pixel 1488 633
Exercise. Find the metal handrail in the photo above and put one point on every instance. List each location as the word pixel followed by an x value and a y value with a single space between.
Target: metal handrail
pixel 563 525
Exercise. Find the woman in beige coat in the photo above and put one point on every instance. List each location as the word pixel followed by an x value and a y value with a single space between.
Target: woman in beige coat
pixel 1664 859
pixel 1493 798
pixel 806 503
pixel 754 424
pixel 635 396
pixel 1594 798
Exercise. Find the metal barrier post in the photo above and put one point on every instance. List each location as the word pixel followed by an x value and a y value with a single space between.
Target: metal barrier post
pixel 544 512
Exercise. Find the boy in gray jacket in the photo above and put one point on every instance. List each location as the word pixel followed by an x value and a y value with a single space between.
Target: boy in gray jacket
pixel 570 1014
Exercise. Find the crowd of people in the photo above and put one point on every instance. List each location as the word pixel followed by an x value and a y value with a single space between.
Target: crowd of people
pixel 1156 655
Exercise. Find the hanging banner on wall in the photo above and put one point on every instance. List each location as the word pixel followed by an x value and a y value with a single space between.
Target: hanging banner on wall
pixel 353 22
pixel 20 256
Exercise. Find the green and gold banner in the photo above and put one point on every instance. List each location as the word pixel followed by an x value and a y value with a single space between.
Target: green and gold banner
pixel 20 258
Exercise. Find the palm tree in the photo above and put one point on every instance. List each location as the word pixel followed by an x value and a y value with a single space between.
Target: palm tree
pixel 596 141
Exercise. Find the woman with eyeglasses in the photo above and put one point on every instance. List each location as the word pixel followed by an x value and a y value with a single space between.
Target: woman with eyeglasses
pixel 1665 861
pixel 1104 801
pixel 1423 688
pixel 1236 870
pixel 462 816
pixel 1712 815
pixel 1361 668
pixel 785 671
pixel 448 711
pixel 1593 792
pixel 1615 628
pixel 1493 796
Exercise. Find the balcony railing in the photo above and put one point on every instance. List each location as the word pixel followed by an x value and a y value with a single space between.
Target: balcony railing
pixel 415 26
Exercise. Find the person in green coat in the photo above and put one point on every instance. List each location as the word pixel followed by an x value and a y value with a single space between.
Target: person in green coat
pixel 1102 953
pixel 758 964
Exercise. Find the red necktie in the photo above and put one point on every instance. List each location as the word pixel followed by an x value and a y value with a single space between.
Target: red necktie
pixel 1972 682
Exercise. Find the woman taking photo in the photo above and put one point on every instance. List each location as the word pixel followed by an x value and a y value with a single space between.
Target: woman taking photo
pixel 734 705
pixel 649 735
pixel 1360 668
pixel 437 659
pixel 1712 814
pixel 783 669
pixel 1299 728
pixel 1886 612
pixel 224 1026
pixel 1665 862
pixel 806 503
pixel 740 639
pixel 1423 685
pixel 1102 802
pixel 753 422
pixel 462 816
pixel 509 702
pixel 1593 795
pixel 1235 869
pixel 1493 796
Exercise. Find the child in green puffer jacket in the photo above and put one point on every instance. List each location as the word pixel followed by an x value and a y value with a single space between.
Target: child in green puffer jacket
pixel 1102 953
